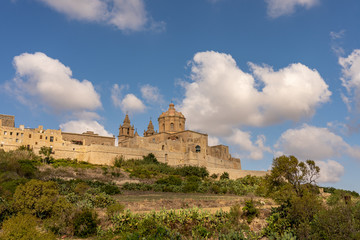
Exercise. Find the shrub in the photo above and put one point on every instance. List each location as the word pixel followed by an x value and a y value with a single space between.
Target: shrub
pixel 235 213
pixel 225 175
pixel 114 209
pixel 150 158
pixel 36 197
pixel 85 223
pixel 61 220
pixel 119 161
pixel 81 188
pixel 250 211
pixel 23 227
pixel 171 180
pixel 214 176
pixel 185 171
pixel 110 189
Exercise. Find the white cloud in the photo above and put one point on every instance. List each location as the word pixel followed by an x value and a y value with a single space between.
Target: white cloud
pixel 81 126
pixel 90 10
pixel 130 103
pixel 116 94
pixel 213 141
pixel 309 142
pixel 330 171
pixel 126 15
pixel 151 94
pixel 44 80
pixel 222 97
pixel 351 78
pixel 277 8
pixel 243 141
pixel 336 45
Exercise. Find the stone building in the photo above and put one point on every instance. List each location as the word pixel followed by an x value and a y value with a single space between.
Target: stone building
pixel 172 144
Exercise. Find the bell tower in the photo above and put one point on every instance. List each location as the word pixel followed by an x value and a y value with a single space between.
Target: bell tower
pixel 126 130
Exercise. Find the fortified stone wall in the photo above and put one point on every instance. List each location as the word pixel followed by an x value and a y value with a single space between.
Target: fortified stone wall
pixel 29 137
pixel 88 138
pixel 7 120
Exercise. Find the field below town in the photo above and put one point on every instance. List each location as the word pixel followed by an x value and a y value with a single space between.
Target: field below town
pixel 50 198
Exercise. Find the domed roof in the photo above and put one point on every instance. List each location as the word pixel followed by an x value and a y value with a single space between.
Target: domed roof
pixel 171 112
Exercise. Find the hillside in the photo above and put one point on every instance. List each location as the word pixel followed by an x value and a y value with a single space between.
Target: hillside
pixel 145 199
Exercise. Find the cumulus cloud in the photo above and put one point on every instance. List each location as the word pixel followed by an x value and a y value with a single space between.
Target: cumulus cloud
pixel 46 81
pixel 81 126
pixel 222 97
pixel 309 142
pixel 243 141
pixel 351 79
pixel 130 103
pixel 151 94
pixel 213 141
pixel 127 15
pixel 330 171
pixel 277 8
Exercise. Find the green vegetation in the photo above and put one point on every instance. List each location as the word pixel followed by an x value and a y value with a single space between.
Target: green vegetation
pixel 32 208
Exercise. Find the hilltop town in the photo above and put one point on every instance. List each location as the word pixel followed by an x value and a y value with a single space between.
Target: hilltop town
pixel 172 144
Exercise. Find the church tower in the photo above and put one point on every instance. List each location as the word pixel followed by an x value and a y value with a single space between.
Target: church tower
pixel 126 130
pixel 150 130
pixel 171 121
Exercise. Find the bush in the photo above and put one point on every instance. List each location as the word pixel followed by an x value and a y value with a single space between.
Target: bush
pixel 67 162
pixel 61 220
pixel 171 180
pixel 225 175
pixel 250 211
pixel 214 176
pixel 36 197
pixel 110 189
pixel 85 223
pixel 337 222
pixel 186 171
pixel 114 209
pixel 23 227
pixel 119 161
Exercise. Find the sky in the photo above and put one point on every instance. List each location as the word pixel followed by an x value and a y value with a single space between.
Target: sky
pixel 265 77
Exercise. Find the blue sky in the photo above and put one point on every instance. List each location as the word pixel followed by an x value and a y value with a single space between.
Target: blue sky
pixel 266 77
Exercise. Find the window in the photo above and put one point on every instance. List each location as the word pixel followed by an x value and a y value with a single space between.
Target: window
pixel 45 138
pixel 22 134
pixel 128 131
pixel 17 140
pixel 51 139
pixel 10 133
pixel 40 136
pixel 5 132
pixel 163 147
pixel 17 134
pixel 171 126
pixel 29 135
pixel 35 143
pixel 197 148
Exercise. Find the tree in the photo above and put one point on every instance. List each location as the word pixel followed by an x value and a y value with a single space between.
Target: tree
pixel 290 171
pixel 46 151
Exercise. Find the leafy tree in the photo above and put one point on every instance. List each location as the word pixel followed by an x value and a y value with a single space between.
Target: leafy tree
pixel 23 227
pixel 36 197
pixel 46 151
pixel 289 170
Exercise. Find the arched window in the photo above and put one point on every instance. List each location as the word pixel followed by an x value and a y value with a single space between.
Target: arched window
pixel 197 148
pixel 172 126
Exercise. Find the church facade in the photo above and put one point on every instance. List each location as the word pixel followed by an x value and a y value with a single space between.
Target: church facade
pixel 172 144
